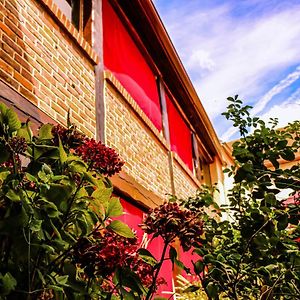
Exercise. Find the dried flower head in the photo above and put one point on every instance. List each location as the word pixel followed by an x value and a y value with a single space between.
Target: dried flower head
pixel 17 144
pixel 69 137
pixel 106 251
pixel 171 221
pixel 103 159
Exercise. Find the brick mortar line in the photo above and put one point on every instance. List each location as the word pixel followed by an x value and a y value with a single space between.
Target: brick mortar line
pixel 69 27
pixel 186 170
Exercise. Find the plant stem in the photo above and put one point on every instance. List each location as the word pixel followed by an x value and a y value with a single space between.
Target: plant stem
pixel 151 289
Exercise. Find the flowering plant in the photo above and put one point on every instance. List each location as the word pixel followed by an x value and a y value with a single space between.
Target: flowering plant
pixel 57 239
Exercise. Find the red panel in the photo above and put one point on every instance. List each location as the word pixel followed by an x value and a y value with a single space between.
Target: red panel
pixel 133 217
pixel 180 134
pixel 124 60
pixel 166 272
pixel 187 258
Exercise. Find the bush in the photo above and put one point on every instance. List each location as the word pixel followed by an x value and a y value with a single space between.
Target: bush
pixel 254 253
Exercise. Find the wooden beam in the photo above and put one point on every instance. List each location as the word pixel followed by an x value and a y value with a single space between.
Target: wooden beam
pixel 97 41
pixel 24 108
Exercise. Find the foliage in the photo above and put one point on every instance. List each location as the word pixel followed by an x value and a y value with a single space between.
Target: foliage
pixel 57 238
pixel 254 253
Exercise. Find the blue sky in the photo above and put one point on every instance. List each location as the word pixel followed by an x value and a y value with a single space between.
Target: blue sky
pixel 245 47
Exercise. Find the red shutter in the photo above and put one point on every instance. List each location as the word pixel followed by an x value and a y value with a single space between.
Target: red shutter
pixel 123 58
pixel 180 134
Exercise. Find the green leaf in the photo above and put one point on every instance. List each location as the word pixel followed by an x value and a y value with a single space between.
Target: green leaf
pixel 13 196
pixel 62 153
pixel 35 225
pixel 102 197
pixel 288 155
pixel 62 280
pixel 24 132
pixel 172 254
pixel 13 120
pixel 147 256
pixel 121 229
pixel 212 290
pixel 58 192
pixel 77 166
pixel 3 110
pixel 115 207
pixel 7 284
pixel 191 289
pixel 198 266
pixel 3 175
pixel 51 210
pixel 97 182
pixel 4 153
pixel 282 222
pixel 45 132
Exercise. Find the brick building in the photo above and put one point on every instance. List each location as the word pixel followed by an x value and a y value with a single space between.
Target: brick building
pixel 112 63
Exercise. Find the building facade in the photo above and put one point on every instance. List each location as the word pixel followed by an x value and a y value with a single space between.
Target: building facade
pixel 113 66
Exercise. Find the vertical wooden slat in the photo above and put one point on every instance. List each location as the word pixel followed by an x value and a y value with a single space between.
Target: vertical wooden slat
pixel 197 167
pixel 166 130
pixel 164 112
pixel 99 75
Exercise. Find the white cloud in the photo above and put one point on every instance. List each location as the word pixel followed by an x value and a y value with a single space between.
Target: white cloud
pixel 227 55
pixel 286 112
pixel 277 89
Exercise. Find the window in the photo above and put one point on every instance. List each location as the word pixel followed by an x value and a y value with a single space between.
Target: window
pixel 201 168
pixel 125 60
pixel 79 12
pixel 180 134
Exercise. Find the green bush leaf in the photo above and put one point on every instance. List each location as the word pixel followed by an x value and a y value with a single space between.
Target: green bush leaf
pixel 121 229
pixel 191 289
pixel 45 132
pixel 7 284
pixel 115 207
pixel 147 256
pixel 13 120
pixel 62 153
pixel 212 290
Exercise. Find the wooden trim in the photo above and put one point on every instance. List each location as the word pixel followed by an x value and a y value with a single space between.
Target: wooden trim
pixel 196 157
pixel 99 70
pixel 53 10
pixel 171 170
pixel 164 111
pixel 25 108
pixel 185 168
pixel 126 185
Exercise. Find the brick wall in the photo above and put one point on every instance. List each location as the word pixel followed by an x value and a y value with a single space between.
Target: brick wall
pixel 144 152
pixel 185 183
pixel 39 58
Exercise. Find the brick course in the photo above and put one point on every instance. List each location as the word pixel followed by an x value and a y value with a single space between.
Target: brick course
pixel 145 156
pixel 38 59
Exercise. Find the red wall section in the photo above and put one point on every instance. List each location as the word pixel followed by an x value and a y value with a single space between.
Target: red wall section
pixel 124 60
pixel 133 217
pixel 180 134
